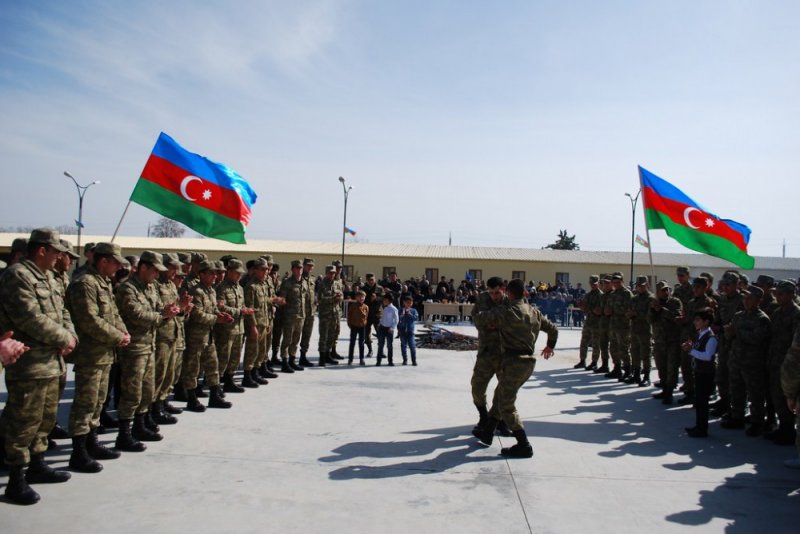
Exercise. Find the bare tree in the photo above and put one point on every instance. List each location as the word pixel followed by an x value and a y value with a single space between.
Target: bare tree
pixel 167 228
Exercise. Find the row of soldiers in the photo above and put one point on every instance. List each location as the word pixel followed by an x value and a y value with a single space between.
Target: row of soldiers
pixel 161 322
pixel 755 325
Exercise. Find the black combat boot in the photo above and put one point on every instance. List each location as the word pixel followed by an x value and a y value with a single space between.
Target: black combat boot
pixel 106 421
pixel 580 365
pixel 170 409
pixel 257 378
pixel 275 360
pixel 645 381
pixel 592 366
pixel 503 430
pixel 247 379
pixel 200 393
pixel 141 431
pixel 17 490
pixel 179 393
pixel 286 368
pixel 80 460
pixel 266 372
pixel 58 432
pixel 160 416
pixel 125 440
pixel 41 473
pixel 294 365
pixel 521 449
pixel 216 400
pixel 323 359
pixel 602 369
pixel 304 361
pixel 485 433
pixel 615 373
pixel 192 404
pixel 626 374
pixel 330 360
pixel 483 416
pixel 229 385
pixel 633 377
pixel 335 355
pixel 149 422
pixel 97 450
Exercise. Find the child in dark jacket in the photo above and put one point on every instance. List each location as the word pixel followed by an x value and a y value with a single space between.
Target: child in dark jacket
pixel 405 327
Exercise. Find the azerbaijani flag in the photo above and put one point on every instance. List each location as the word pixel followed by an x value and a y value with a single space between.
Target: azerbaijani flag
pixel 349 231
pixel 667 208
pixel 208 197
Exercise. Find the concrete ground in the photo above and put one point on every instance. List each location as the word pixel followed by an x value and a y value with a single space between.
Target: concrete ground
pixel 388 449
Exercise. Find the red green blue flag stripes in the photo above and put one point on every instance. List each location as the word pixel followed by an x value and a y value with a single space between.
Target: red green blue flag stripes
pixel 667 208
pixel 208 197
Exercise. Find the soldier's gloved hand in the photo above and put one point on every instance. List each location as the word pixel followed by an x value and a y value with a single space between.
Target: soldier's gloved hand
pixel 126 340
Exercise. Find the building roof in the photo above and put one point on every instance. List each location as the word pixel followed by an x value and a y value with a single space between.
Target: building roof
pixel 328 248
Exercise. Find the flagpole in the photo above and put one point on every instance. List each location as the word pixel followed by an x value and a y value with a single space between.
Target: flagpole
pixel 647 232
pixel 125 212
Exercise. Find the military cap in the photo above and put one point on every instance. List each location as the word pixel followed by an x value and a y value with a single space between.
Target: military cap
pixel 330 269
pixel 708 276
pixel 755 291
pixel 226 258
pixel 276 267
pixel 66 244
pixel 154 259
pixel 171 259
pixel 125 264
pixel 185 257
pixel 219 267
pixel 308 261
pixel 260 263
pixel 744 278
pixel 764 280
pixel 89 247
pixel 47 236
pixel 267 258
pixel 641 280
pixel 730 278
pixel 198 257
pixel 786 286
pixel 206 265
pixel 337 263
pixel 236 265
pixel 616 276
pixel 682 270
pixel 296 263
pixel 605 279
pixel 663 284
pixel 593 279
pixel 700 281
pixel 20 244
pixel 370 275
pixel 110 249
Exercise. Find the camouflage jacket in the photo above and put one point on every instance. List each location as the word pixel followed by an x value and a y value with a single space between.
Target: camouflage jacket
pixel 684 293
pixel 204 314
pixel 310 302
pixel 90 299
pixel 519 325
pixel 170 329
pixel 294 293
pixel 617 306
pixel 751 332
pixel 790 370
pixel 256 296
pixel 327 291
pixel 784 325
pixel 640 317
pixel 32 308
pixel 140 307
pixel 488 335
pixel 605 320
pixel 232 296
pixel 593 306
pixel 694 305
pixel 664 320
pixel 768 303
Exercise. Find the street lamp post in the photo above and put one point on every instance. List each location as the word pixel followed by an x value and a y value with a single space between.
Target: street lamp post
pixel 633 200
pixel 346 190
pixel 81 191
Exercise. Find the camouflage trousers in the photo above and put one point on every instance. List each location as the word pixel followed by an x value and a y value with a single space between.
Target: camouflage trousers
pixel 308 329
pixel 667 354
pixel 722 377
pixel 277 331
pixel 229 350
pixel 91 387
pixel 137 379
pixel 747 380
pixel 641 350
pixel 292 330
pixel 327 332
pixel 620 346
pixel 167 361
pixel 785 417
pixel 604 344
pixel 487 365
pixel 199 354
pixel 590 335
pixel 28 417
pixel 514 372
pixel 255 348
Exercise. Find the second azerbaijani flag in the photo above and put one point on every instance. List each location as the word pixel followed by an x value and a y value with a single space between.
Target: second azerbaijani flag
pixel 208 197
pixel 667 208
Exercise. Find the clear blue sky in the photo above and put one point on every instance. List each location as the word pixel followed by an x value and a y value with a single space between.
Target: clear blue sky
pixel 502 122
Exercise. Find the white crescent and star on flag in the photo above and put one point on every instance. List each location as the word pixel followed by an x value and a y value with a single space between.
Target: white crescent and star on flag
pixel 709 221
pixel 185 184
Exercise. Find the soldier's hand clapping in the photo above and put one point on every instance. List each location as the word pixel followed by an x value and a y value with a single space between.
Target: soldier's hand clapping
pixel 248 311
pixel 224 318
pixel 126 340
pixel 279 301
pixel 170 310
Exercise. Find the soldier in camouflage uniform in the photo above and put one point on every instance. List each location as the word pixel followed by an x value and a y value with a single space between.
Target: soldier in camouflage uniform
pixel 263 362
pixel 310 310
pixel 665 312
pixel 88 252
pixel 750 330
pixel 228 337
pixel 330 296
pixel 257 324
pixel 31 308
pixel 338 325
pixel 604 326
pixel 699 301
pixel 731 301
pixel 200 350
pixel 168 336
pixel 590 334
pixel 641 333
pixel 790 383
pixel 277 318
pixel 768 302
pixel 143 312
pixel 616 309
pixel 292 290
pixel 518 325
pixel 684 292
pixel 785 323
pixel 90 299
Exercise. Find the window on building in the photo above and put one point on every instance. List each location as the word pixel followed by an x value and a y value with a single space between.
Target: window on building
pixel 387 270
pixel 475 274
pixel 562 278
pixel 348 271
pixel 432 275
pixel 518 275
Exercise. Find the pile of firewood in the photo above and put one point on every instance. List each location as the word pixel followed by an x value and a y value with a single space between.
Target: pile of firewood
pixel 436 337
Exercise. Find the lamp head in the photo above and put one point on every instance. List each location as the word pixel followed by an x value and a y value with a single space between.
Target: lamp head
pixel 68 175
pixel 341 179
